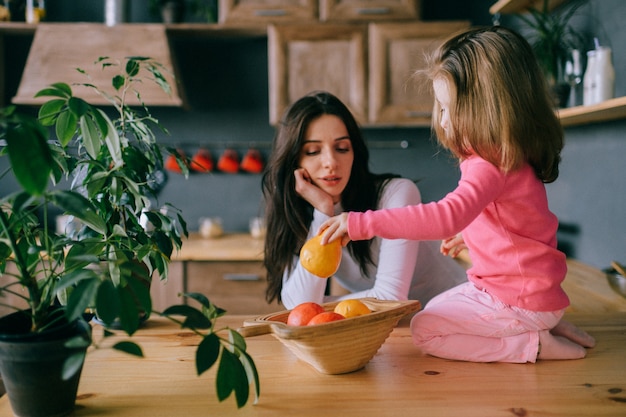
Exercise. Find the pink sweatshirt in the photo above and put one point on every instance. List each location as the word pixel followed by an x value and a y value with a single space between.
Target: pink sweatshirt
pixel 506 224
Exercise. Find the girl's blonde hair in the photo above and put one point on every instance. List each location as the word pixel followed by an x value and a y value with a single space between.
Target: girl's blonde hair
pixel 501 109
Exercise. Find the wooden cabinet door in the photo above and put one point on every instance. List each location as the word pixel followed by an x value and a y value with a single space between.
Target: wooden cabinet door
pixel 369 10
pixel 396 51
pixel 263 12
pixel 308 57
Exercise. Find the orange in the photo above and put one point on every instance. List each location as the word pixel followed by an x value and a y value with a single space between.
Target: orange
pixel 325 317
pixel 351 308
pixel 303 313
pixel 321 260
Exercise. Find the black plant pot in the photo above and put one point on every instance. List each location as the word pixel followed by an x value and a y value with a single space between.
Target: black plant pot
pixel 32 366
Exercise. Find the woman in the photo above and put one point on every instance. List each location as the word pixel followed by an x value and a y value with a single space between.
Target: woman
pixel 318 168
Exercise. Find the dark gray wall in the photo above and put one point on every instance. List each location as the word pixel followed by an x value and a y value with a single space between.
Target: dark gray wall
pixel 226 83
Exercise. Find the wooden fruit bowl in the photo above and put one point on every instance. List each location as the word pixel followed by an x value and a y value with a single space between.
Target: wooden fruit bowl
pixel 340 346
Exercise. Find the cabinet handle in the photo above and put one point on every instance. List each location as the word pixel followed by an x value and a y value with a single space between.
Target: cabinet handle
pixel 242 277
pixel 270 12
pixel 412 114
pixel 374 10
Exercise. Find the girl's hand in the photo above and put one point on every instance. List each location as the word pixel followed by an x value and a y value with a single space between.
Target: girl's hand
pixel 336 228
pixel 452 246
pixel 317 197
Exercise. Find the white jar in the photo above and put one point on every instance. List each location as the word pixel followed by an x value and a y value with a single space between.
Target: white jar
pixel 589 80
pixel 116 11
pixel 605 75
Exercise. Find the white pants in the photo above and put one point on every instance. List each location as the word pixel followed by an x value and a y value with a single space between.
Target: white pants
pixel 466 323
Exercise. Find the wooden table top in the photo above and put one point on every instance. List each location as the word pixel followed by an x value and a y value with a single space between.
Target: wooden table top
pixel 398 381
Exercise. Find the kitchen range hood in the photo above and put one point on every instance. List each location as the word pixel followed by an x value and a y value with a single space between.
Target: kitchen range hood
pixel 58 49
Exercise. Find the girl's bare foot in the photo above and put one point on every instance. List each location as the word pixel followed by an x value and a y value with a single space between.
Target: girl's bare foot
pixel 573 333
pixel 558 347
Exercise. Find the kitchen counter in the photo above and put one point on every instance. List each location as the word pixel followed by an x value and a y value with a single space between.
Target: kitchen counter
pixel 398 381
pixel 229 247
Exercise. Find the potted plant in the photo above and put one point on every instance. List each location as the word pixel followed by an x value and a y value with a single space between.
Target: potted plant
pixel 552 38
pixel 106 266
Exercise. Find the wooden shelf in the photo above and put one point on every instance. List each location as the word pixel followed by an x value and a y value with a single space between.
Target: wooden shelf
pixel 613 109
pixel 518 6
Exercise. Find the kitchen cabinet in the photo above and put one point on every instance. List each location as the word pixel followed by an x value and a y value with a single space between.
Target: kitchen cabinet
pixel 308 57
pixel 262 12
pixel 355 85
pixel 228 270
pixel 333 57
pixel 369 10
pixel 396 51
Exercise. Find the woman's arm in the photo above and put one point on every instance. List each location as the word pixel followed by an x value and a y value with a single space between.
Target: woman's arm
pixel 301 286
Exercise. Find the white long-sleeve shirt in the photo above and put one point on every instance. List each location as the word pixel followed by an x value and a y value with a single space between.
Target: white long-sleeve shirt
pixel 405 269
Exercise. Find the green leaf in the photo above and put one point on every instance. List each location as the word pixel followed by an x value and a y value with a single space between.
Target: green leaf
pixel 75 204
pixel 132 67
pixel 113 142
pixel 140 289
pixel 90 134
pixel 129 347
pixel 65 127
pixel 194 319
pixel 118 82
pixel 107 302
pixel 102 120
pixel 231 376
pixel 73 278
pixel 27 147
pixel 72 365
pixel 129 312
pixel 82 296
pixel 251 373
pixel 207 353
pixel 62 90
pixel 237 341
pixel 78 106
pixel 49 111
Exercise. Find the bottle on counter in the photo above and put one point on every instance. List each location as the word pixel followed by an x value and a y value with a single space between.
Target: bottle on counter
pixel 35 11
pixel 589 80
pixel 605 81
pixel 599 80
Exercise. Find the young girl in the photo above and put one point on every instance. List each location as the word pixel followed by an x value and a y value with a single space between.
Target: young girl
pixel 493 112
pixel 319 167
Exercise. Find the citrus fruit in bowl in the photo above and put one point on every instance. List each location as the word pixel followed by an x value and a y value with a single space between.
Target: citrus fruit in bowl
pixel 321 260
pixel 352 308
pixel 302 314
pixel 325 317
pixel 335 347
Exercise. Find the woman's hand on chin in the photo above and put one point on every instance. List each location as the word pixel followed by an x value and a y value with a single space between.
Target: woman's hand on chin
pixel 317 197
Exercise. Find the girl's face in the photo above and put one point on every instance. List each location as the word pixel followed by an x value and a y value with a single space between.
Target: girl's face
pixel 327 155
pixel 443 95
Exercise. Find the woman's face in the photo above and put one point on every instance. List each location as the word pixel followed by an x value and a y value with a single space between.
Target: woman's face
pixel 327 155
